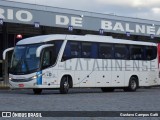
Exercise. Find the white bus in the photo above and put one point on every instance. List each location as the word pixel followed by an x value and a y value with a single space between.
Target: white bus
pixel 71 61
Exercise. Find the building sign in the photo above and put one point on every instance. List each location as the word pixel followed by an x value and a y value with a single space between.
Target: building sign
pixel 127 27
pixel 65 20
pixel 55 19
pixel 20 15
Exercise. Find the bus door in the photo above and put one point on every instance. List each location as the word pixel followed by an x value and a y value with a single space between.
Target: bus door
pixel 46 53
pixel 48 59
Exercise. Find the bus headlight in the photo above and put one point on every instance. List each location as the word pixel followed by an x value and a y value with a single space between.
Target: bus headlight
pixel 10 78
pixel 34 77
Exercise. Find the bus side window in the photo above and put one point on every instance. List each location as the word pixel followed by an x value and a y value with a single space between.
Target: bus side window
pixel 75 49
pixel 72 50
pixel 136 52
pixel 120 51
pixel 151 52
pixel 105 51
pixel 86 50
pixel 154 56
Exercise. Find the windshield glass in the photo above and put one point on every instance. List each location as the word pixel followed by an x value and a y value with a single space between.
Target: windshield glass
pixel 24 59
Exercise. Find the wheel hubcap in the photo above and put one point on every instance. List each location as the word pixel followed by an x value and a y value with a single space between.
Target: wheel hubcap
pixel 133 84
pixel 66 85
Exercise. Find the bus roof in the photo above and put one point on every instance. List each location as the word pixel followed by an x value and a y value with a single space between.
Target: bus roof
pixel 89 38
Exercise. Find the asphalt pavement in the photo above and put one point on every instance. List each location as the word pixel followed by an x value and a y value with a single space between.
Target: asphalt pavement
pixel 83 99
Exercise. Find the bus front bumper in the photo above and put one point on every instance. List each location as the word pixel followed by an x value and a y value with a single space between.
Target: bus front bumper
pixel 22 84
pixel 30 85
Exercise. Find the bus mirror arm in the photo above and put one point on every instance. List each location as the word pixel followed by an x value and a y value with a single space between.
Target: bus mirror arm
pixel 5 52
pixel 40 48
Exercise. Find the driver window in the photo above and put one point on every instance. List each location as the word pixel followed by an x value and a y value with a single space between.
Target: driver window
pixel 47 59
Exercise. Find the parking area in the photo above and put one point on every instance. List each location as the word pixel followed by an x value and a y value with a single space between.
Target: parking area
pixel 81 100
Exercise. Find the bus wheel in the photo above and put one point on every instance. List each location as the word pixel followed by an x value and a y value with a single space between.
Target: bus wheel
pixel 133 85
pixel 37 91
pixel 104 89
pixel 64 86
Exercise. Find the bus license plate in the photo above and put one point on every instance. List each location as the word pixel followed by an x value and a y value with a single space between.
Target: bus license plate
pixel 21 85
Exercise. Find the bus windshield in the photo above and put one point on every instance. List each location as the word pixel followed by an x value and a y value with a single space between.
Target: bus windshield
pixel 24 59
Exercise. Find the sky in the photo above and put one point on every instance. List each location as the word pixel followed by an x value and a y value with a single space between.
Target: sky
pixel 146 9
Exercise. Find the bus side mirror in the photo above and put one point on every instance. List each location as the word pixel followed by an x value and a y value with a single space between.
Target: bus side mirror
pixel 5 52
pixel 40 48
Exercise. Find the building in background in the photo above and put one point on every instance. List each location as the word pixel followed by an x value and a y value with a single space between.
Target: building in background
pixel 21 20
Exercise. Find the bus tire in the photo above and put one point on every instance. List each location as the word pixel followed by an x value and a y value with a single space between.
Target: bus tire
pixel 37 91
pixel 64 85
pixel 133 85
pixel 105 89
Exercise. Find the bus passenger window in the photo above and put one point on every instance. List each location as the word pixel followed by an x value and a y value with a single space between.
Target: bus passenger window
pixel 75 50
pixel 105 51
pixel 120 51
pixel 86 50
pixel 154 55
pixel 72 50
pixel 149 53
pixel 136 53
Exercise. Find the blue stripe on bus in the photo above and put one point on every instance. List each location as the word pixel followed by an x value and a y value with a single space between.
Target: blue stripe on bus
pixel 39 79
